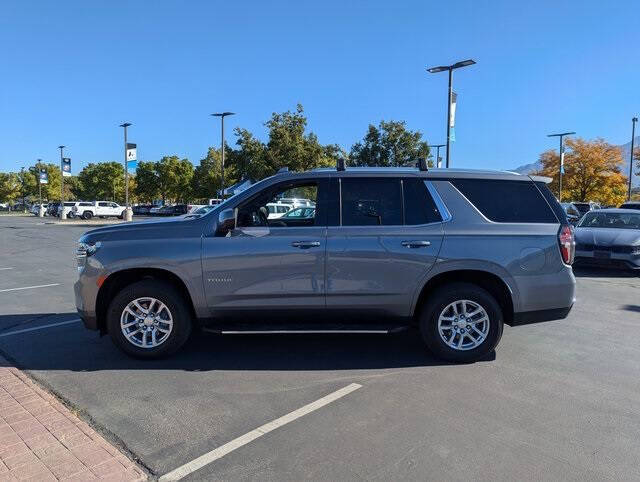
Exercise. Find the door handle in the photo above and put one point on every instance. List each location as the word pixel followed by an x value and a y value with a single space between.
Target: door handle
pixel 416 244
pixel 305 244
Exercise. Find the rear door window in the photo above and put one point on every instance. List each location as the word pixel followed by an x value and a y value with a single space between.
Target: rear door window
pixel 371 201
pixel 507 201
pixel 419 207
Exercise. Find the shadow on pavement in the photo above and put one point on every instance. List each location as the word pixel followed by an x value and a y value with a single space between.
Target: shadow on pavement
pixel 588 272
pixel 74 348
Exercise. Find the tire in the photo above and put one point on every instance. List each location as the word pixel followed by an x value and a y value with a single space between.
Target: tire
pixel 87 215
pixel 175 305
pixel 122 215
pixel 442 303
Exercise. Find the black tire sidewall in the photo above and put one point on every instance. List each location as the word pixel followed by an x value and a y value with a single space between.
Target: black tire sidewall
pixel 168 295
pixel 443 297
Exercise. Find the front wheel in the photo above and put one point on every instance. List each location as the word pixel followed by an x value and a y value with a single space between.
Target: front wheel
pixel 87 215
pixel 149 319
pixel 461 322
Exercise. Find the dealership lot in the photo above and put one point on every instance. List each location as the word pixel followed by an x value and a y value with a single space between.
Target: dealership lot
pixel 558 400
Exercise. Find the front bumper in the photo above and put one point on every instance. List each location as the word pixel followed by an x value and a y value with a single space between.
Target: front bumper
pixel 87 313
pixel 607 259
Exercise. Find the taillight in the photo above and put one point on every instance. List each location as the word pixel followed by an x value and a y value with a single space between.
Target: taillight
pixel 567 243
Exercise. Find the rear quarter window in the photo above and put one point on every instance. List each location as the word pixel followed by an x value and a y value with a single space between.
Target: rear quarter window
pixel 507 201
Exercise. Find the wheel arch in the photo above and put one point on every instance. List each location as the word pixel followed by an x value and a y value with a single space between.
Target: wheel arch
pixel 491 282
pixel 118 280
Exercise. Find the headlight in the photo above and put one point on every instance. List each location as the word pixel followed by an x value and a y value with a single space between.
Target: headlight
pixel 635 250
pixel 85 250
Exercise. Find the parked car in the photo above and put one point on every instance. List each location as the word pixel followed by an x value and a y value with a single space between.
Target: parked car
pixel 300 213
pixel 631 205
pixel 155 210
pixel 35 209
pixel 397 247
pixel 141 209
pixel 52 208
pixel 572 212
pixel 103 209
pixel 609 238
pixel 277 209
pixel 202 210
pixel 68 208
pixel 585 207
pixel 175 210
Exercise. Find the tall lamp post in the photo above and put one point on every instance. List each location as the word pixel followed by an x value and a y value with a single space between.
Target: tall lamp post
pixel 633 135
pixel 62 213
pixel 561 165
pixel 450 69
pixel 128 213
pixel 438 146
pixel 222 115
pixel 38 170
pixel 23 197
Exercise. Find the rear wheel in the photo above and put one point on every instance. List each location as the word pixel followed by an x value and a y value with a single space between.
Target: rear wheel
pixel 149 319
pixel 461 322
pixel 87 215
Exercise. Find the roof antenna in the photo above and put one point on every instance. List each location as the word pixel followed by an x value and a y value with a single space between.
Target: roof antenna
pixel 423 165
pixel 340 164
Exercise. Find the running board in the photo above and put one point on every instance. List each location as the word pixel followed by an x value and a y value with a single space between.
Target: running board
pixel 382 330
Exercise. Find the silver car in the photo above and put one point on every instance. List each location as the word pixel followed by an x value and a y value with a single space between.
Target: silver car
pixel 453 253
pixel 609 238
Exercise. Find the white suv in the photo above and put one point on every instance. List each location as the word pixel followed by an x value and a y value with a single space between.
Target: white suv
pixel 103 209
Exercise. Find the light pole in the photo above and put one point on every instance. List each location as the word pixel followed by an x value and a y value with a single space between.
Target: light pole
pixel 438 146
pixel 450 69
pixel 561 165
pixel 38 170
pixel 62 213
pixel 22 178
pixel 222 115
pixel 633 135
pixel 128 213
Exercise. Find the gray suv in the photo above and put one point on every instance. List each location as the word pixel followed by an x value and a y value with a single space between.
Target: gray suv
pixel 456 253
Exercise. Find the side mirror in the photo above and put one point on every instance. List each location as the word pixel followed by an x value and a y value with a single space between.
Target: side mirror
pixel 226 222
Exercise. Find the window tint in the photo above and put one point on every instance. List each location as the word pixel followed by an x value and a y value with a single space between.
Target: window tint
pixel 103 204
pixel 507 201
pixel 371 201
pixel 86 204
pixel 419 207
pixel 560 213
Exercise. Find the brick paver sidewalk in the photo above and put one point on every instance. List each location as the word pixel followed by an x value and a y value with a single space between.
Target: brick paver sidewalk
pixel 41 440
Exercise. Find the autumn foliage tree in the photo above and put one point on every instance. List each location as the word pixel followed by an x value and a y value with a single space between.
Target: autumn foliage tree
pixel 592 172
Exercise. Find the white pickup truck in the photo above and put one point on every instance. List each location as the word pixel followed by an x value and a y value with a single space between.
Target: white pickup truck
pixel 102 209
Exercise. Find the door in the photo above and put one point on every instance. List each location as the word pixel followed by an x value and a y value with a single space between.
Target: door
pixel 388 237
pixel 269 264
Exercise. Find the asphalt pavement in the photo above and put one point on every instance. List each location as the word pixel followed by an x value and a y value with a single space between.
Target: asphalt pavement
pixel 558 400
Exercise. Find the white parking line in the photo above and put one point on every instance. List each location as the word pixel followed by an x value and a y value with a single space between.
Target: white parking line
pixel 2 269
pixel 223 450
pixel 29 287
pixel 25 330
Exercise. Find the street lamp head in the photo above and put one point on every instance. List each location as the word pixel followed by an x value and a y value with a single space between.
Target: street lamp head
pixel 463 63
pixel 222 114
pixel 635 119
pixel 561 134
pixel 61 147
pixel 126 124
pixel 435 70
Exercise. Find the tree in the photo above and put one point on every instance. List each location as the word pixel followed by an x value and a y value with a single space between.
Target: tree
pixel 174 176
pixel 147 182
pixel 390 144
pixel 207 176
pixel 289 145
pixel 101 181
pixel 250 159
pixel 592 172
pixel 10 187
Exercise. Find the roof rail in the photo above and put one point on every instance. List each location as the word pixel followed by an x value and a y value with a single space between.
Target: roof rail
pixel 282 170
pixel 341 164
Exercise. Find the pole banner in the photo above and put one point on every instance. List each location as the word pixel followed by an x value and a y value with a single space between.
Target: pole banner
pixel 44 178
pixel 132 157
pixel 562 162
pixel 66 166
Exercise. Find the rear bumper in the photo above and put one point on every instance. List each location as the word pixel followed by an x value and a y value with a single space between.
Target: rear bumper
pixel 539 316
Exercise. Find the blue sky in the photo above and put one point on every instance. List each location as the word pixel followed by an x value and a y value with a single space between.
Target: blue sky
pixel 73 71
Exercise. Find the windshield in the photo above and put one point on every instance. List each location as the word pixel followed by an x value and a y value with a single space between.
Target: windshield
pixel 599 219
